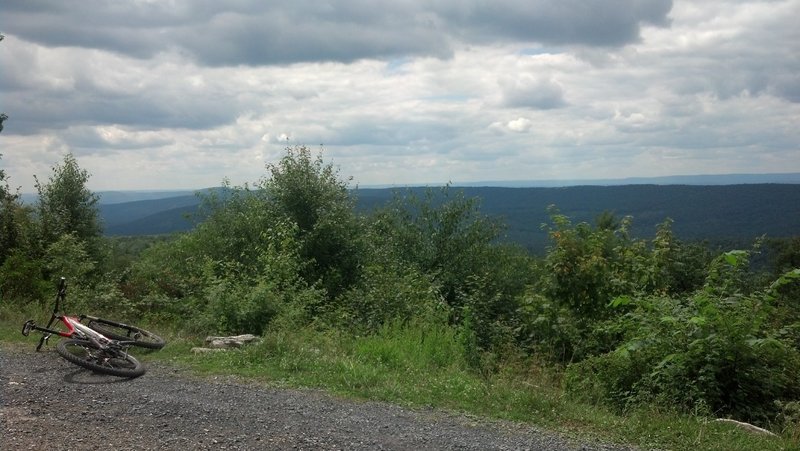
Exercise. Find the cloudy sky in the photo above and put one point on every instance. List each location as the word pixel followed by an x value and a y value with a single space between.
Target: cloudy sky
pixel 162 94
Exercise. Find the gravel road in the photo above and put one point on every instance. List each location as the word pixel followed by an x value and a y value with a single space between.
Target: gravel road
pixel 48 403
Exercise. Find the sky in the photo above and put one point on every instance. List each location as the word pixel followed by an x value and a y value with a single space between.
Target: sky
pixel 181 94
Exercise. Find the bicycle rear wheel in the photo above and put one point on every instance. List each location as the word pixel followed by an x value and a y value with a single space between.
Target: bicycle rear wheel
pixel 107 361
pixel 124 332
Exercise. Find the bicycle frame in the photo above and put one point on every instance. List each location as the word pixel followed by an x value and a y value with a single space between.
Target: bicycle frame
pixel 73 324
pixel 99 351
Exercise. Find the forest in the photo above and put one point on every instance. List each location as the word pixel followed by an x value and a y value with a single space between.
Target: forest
pixel 721 215
pixel 627 321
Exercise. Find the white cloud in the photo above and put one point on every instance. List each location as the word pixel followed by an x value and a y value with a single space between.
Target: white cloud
pixel 520 125
pixel 182 94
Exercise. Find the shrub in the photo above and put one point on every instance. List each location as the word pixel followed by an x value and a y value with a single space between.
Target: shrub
pixel 306 192
pixel 21 280
pixel 713 351
pixel 586 267
pixel 388 293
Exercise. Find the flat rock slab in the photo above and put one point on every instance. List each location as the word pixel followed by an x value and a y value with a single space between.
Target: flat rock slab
pixel 234 341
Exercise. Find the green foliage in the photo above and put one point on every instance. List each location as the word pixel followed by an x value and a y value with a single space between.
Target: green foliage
pixel 237 226
pixel 588 277
pixel 61 240
pixel 586 267
pixel 305 191
pixel 68 257
pixel 238 271
pixel 675 267
pixel 389 292
pixel 442 234
pixel 169 269
pixel 67 206
pixel 712 352
pixel 21 279
pixel 786 253
pixel 10 209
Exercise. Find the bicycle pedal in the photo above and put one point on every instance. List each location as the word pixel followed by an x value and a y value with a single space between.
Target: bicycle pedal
pixel 26 328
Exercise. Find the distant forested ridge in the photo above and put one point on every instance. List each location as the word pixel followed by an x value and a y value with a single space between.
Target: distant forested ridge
pixel 718 214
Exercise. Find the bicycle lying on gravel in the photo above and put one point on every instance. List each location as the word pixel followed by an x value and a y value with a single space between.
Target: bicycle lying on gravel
pixel 100 345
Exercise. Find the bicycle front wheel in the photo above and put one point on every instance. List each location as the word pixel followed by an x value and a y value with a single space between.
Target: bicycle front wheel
pixel 124 332
pixel 107 361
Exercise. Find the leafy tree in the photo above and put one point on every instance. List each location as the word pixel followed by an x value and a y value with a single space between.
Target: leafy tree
pixel 588 270
pixel 12 215
pixel 676 267
pixel 444 236
pixel 283 251
pixel 784 253
pixel 305 191
pixel 67 206
pixel 20 269
pixel 8 200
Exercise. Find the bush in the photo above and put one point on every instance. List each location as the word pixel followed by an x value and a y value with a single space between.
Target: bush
pixel 390 293
pixel 586 267
pixel 715 351
pixel 442 234
pixel 21 280
pixel 239 308
pixel 305 192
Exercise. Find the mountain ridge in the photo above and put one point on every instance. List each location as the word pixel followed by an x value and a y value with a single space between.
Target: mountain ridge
pixel 123 196
pixel 700 212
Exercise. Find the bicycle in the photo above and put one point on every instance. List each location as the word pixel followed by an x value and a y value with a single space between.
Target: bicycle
pixel 101 345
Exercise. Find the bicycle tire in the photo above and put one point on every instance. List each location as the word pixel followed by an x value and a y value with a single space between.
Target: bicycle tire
pixel 115 363
pixel 124 332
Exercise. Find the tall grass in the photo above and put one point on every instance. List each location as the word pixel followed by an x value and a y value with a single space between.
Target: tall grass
pixel 423 365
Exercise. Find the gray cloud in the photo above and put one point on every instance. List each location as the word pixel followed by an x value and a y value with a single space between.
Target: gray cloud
pixel 260 32
pixel 607 23
pixel 31 115
pixel 532 92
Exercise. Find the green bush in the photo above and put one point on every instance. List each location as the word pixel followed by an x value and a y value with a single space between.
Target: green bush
pixel 388 293
pixel 21 280
pixel 608 379
pixel 445 238
pixel 715 351
pixel 307 193
pixel 234 308
pixel 442 234
pixel 586 267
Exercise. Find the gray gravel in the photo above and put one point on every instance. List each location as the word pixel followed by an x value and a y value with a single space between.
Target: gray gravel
pixel 48 403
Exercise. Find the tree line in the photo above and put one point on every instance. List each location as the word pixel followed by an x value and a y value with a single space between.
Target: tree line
pixel 630 321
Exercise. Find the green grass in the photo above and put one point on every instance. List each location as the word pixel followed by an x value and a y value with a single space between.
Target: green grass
pixel 423 366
